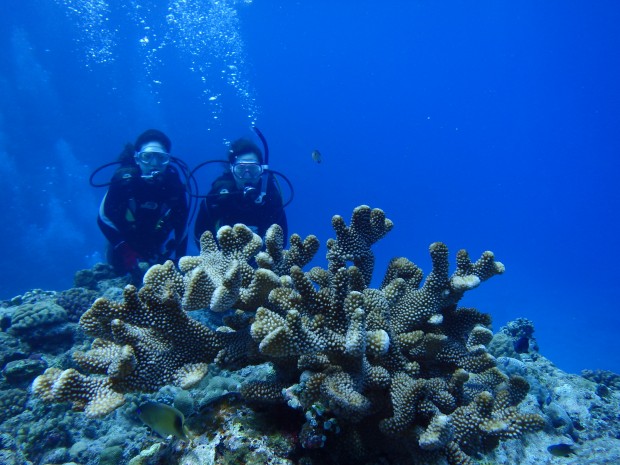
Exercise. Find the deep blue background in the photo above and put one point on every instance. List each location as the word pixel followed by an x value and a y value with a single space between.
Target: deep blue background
pixel 487 125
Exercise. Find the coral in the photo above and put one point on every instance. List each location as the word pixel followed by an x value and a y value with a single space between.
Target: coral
pixel 419 306
pixel 353 343
pixel 22 372
pixel 111 455
pixel 280 261
pixel 30 317
pixel 145 455
pixel 11 348
pixel 603 377
pixel 31 297
pixel 144 343
pixel 438 434
pixel 42 324
pixel 184 402
pixel 93 395
pixel 221 277
pixel 514 339
pixel 76 301
pixel 10 453
pixel 402 362
pixel 141 346
pixel 480 425
pixel 12 402
pixel 352 244
pixel 90 278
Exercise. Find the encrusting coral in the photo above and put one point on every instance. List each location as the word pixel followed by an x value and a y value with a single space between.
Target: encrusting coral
pixel 400 361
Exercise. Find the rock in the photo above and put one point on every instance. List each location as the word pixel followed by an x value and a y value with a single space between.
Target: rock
pixel 90 278
pixel 22 372
pixel 111 455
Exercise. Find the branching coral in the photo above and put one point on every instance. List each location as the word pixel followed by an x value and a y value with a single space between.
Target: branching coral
pixel 141 344
pixel 401 361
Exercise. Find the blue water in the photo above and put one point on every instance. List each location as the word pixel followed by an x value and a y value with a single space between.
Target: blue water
pixel 486 125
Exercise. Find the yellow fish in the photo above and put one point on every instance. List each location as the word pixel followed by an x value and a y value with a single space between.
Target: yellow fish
pixel 164 420
pixel 316 156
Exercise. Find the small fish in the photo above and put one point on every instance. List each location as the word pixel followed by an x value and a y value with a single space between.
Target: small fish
pixel 163 419
pixel 316 156
pixel 561 450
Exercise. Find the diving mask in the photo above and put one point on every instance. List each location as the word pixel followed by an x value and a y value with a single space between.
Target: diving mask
pixel 154 158
pixel 247 170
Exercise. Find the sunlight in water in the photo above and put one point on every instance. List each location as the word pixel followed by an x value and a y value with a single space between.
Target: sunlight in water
pixel 206 33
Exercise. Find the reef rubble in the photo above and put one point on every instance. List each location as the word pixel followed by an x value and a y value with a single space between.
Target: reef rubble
pixel 274 364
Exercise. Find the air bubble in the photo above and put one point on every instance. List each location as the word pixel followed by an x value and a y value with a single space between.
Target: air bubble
pixel 206 33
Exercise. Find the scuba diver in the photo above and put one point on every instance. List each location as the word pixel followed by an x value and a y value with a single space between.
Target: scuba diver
pixel 247 192
pixel 144 213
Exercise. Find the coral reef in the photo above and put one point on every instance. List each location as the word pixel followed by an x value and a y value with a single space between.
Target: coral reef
pixel 226 431
pixel 577 411
pixel 144 343
pixel 370 366
pixel 606 379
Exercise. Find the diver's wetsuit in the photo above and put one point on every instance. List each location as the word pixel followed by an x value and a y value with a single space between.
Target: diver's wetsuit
pixel 138 217
pixel 228 205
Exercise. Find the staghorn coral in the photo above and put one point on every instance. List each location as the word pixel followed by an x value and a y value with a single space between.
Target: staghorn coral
pixel 141 344
pixel 480 425
pixel 352 244
pixel 399 362
pixel 280 261
pixel 215 278
pixel 355 346
pixel 93 395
